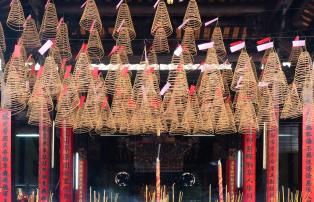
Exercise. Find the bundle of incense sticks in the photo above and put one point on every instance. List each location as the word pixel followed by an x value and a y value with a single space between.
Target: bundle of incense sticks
pixel 164 197
pixel 95 196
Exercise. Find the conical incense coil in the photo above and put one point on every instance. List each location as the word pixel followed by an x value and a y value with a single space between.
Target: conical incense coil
pixel 188 40
pixel 39 114
pixel 219 45
pixel 92 105
pixel 217 109
pixel 185 58
pixel 266 113
pixel 16 17
pixel 294 55
pixel 162 19
pixel 192 16
pixel 94 47
pixel 82 73
pixel 124 40
pixel 52 79
pixel 152 56
pixel 226 75
pixel 160 42
pixel 242 66
pixel 302 71
pixel 293 106
pixel 193 113
pixel 83 123
pixel 106 123
pixel 207 127
pixel 110 81
pixel 119 112
pixel 62 41
pixel 48 29
pixel 123 86
pixel 30 36
pixel 55 53
pixel 123 56
pixel 225 124
pixel 3 46
pixel 136 123
pixel 247 118
pixel 124 16
pixel 211 57
pixel 91 16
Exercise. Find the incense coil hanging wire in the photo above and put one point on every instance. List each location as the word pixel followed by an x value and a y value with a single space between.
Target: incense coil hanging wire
pixel 162 20
pixel 188 40
pixel 193 16
pixel 124 40
pixel 294 55
pixel 91 17
pixel 293 106
pixel 30 36
pixel 16 19
pixel 160 42
pixel 266 113
pixel 94 46
pixel 106 123
pixel 52 79
pixel 62 41
pixel 124 16
pixel 302 71
pixel 219 45
pixel 3 46
pixel 82 73
pixel 48 29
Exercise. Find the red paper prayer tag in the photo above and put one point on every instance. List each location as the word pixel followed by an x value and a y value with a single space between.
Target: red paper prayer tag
pixel 262 41
pixel 82 100
pixel 228 100
pixel 33 70
pixel 64 61
pixel 180 67
pixel 236 43
pixel 68 71
pixel 192 90
pixel 28 17
pixel 17 51
pixel 40 71
pixel 82 50
pixel 125 71
pixel 105 102
pixel 155 103
pixel 60 21
pixel 151 69
pixel 95 72
pixel 297 38
pixel 92 26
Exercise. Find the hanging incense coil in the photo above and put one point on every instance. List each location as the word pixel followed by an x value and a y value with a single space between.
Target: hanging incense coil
pixel 160 42
pixel 294 55
pixel 179 125
pixel 124 16
pixel 170 116
pixel 293 106
pixel 82 73
pixel 82 123
pixel 188 40
pixel 62 41
pixel 124 40
pixel 243 65
pixel 110 80
pixel 123 56
pixel 91 17
pixel 162 20
pixel 23 52
pixel 16 19
pixel 94 47
pixel 247 119
pixel 30 36
pixel 39 114
pixel 52 79
pixel 106 123
pixel 302 71
pixel 185 58
pixel 219 45
pixel 192 14
pixel 152 56
pixel 193 115
pixel 120 114
pixel 48 29
pixel 266 113
pixel 3 46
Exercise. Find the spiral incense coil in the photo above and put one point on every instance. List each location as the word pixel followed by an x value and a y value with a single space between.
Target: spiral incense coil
pixel 119 112
pixel 38 114
pixel 192 14
pixel 266 113
pixel 193 114
pixel 62 41
pixel 207 127
pixel 92 104
pixel 106 123
pixel 82 123
pixel 16 19
pixel 211 57
pixel 91 17
pixel 227 75
pixel 136 123
pixel 293 106
pixel 219 45
pixel 23 52
pixel 123 87
pixel 225 123
pixel 124 40
pixel 294 55
pixel 160 42
pixel 123 56
pixel 110 81
pixel 182 126
pixel 302 71
pixel 185 58
pixel 152 56
pixel 48 29
pixel 30 36
pixel 247 118
pixel 94 47
pixel 82 73
pixel 217 109
pixel 3 46
pixel 243 65
pixel 124 16
pixel 162 20
pixel 54 52
pixel 188 40
pixel 52 79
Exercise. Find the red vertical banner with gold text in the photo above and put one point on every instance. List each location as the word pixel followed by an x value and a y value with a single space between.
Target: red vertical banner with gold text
pixel 5 156
pixel 231 173
pixel 44 162
pixel 81 193
pixel 249 166
pixel 307 153
pixel 66 165
pixel 272 164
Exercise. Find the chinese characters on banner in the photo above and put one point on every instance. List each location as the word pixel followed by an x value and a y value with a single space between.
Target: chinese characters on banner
pixel 231 173
pixel 44 162
pixel 272 164
pixel 307 154
pixel 66 165
pixel 81 193
pixel 5 156
pixel 249 166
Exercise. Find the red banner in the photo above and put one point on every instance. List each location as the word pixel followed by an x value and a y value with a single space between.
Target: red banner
pixel 231 173
pixel 66 165
pixel 81 193
pixel 44 163
pixel 249 166
pixel 272 164
pixel 307 154
pixel 5 156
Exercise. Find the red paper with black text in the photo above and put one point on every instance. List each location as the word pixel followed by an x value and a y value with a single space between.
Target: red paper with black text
pixel 66 165
pixel 231 173
pixel 307 153
pixel 249 166
pixel 272 164
pixel 81 193
pixel 44 162
pixel 5 156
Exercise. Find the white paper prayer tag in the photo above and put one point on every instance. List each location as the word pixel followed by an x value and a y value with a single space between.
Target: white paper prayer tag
pixel 265 46
pixel 45 47
pixel 262 84
pixel 184 23
pixel 237 46
pixel 178 51
pixel 299 43
pixel 206 46
pixel 211 22
pixel 119 4
pixel 156 4
pixel 165 88
pixel 118 30
pixel 84 4
pixel 239 82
